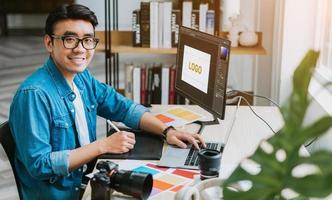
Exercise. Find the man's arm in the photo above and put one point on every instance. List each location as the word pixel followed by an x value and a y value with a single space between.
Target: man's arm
pixel 152 124
pixel 119 142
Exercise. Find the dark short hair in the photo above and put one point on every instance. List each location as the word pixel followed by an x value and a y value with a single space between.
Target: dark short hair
pixel 73 11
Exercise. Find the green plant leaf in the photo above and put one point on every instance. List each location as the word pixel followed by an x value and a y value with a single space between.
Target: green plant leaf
pixel 318 128
pixel 294 109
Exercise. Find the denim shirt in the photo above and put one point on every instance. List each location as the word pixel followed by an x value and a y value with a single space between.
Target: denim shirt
pixel 42 121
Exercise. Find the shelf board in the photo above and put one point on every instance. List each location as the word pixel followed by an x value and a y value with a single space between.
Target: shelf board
pixel 121 43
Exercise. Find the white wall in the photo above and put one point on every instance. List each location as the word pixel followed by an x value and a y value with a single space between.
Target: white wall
pixel 298 38
pixel 125 7
pixel 26 20
pixel 264 63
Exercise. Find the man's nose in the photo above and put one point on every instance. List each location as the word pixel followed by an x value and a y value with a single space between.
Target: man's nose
pixel 79 47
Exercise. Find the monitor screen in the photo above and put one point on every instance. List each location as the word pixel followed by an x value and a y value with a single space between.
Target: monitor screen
pixel 202 68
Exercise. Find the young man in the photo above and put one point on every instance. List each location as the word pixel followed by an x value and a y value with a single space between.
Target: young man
pixel 53 114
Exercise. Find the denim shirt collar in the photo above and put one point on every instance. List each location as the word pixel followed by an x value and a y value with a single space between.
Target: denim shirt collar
pixel 60 82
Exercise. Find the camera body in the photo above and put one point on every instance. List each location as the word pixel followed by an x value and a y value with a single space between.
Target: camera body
pixel 110 178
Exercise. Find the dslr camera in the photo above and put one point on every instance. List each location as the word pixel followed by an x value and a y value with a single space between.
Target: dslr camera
pixel 110 178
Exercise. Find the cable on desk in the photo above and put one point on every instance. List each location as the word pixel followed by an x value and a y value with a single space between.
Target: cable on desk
pixel 228 132
pixel 255 95
pixel 246 101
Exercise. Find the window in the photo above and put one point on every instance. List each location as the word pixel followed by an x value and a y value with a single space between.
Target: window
pixel 323 43
pixel 326 48
pixel 324 36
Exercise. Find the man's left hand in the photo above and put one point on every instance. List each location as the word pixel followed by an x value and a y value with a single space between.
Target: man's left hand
pixel 180 138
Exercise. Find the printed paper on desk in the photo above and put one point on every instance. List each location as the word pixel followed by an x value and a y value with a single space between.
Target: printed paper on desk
pixel 178 116
pixel 166 181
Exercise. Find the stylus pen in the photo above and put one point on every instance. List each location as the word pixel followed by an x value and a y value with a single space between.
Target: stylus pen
pixel 113 126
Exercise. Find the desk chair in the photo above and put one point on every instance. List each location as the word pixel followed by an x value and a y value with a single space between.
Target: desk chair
pixel 6 140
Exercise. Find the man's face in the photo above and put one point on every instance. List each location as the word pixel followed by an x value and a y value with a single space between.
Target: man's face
pixel 70 61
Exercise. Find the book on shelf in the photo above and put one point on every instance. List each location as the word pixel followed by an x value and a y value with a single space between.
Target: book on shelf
pixel 172 73
pixel 210 22
pixel 195 19
pixel 143 85
pixel 203 8
pixel 187 8
pixel 154 28
pixel 152 84
pixel 160 24
pixel 156 85
pixel 137 84
pixel 156 24
pixel 129 80
pixel 167 28
pixel 175 23
pixel 136 28
pixel 165 84
pixel 145 24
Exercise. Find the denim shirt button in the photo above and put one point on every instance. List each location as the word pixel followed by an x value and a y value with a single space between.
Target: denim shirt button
pixel 93 106
pixel 79 169
pixel 66 125
pixel 72 97
pixel 72 110
pixel 76 188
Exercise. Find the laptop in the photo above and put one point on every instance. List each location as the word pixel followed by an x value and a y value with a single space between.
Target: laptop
pixel 185 158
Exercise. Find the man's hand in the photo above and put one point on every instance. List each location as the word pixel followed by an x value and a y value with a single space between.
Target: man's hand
pixel 119 142
pixel 179 138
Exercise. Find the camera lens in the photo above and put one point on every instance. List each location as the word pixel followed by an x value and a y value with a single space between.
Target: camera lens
pixel 209 163
pixel 132 183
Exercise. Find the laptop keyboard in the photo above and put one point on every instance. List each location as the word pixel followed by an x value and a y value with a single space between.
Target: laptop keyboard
pixel 192 158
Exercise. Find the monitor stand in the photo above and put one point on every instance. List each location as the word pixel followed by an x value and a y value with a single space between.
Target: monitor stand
pixel 206 123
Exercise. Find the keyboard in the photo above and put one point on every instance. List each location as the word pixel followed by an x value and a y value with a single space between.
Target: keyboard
pixel 192 158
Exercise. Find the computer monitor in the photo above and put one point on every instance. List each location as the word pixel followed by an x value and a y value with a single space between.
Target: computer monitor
pixel 202 69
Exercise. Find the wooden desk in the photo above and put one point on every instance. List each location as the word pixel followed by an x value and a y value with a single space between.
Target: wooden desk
pixel 244 137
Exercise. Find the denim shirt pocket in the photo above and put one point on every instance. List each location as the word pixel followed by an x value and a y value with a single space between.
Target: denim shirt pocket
pixel 63 136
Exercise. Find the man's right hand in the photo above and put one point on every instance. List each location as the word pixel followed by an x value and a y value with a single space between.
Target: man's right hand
pixel 119 142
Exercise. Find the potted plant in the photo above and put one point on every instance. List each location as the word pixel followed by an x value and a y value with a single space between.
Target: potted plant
pixel 283 173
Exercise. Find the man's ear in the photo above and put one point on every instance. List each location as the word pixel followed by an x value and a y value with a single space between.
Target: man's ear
pixel 48 42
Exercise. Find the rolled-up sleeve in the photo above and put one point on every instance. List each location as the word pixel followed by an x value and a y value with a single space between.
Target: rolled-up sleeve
pixel 134 115
pixel 30 121
pixel 60 162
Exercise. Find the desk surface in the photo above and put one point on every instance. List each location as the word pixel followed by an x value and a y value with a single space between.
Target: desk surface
pixel 244 136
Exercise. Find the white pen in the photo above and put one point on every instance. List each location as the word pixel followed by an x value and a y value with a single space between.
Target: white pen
pixel 113 126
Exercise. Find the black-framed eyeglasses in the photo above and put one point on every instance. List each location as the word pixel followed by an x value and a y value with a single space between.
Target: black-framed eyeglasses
pixel 71 42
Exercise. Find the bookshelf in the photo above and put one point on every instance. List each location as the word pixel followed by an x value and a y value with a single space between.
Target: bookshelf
pixel 122 43
pixel 114 42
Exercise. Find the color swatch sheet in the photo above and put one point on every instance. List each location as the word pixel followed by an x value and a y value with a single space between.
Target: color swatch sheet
pixel 178 116
pixel 166 181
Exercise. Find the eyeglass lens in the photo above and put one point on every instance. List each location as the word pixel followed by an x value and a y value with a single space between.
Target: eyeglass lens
pixel 72 42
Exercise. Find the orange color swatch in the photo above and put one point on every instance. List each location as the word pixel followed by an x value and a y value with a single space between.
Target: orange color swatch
pixel 161 185
pixel 164 118
pixel 184 114
pixel 187 174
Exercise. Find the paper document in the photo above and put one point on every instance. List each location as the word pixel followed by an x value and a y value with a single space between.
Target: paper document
pixel 178 116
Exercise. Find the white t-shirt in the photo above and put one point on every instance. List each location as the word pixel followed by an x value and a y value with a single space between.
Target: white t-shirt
pixel 80 119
